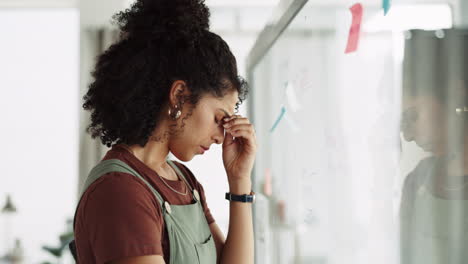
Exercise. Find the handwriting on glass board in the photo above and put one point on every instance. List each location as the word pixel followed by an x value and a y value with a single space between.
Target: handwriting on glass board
pixel 278 120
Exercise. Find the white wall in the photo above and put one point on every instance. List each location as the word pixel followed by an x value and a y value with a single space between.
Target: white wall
pixel 39 123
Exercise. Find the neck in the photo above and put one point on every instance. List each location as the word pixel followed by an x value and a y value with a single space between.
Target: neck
pixel 155 152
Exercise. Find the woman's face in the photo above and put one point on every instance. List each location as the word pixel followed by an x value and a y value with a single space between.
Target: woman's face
pixel 424 122
pixel 203 127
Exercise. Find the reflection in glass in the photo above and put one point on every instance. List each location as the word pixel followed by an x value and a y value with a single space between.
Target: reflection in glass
pixel 435 194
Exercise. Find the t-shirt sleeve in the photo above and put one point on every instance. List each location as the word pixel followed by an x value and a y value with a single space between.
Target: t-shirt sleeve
pixel 209 217
pixel 122 218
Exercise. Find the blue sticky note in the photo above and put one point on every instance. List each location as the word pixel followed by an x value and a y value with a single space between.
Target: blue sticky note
pixel 386 6
pixel 278 120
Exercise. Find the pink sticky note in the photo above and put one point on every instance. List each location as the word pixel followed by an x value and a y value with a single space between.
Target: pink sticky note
pixel 355 30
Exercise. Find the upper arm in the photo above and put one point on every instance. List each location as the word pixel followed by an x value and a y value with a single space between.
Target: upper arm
pixel 152 259
pixel 218 238
pixel 120 219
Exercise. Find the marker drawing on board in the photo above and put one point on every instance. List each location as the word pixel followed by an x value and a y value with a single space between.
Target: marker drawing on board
pixel 278 120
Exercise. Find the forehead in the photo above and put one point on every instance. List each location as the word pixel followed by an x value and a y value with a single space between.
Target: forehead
pixel 227 102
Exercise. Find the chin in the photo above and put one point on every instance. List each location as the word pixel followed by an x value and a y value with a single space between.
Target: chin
pixel 187 159
pixel 184 158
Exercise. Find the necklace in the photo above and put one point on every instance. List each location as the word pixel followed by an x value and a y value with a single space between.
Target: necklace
pixel 162 179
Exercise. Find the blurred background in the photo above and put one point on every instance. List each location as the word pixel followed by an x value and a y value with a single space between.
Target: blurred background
pixel 359 153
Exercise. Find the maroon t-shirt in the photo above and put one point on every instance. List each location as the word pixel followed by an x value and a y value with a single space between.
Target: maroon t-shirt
pixel 119 216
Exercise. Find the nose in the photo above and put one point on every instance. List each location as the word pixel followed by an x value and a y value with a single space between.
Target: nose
pixel 407 136
pixel 407 130
pixel 219 135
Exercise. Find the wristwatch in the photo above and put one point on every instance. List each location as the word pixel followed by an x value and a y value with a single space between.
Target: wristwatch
pixel 245 198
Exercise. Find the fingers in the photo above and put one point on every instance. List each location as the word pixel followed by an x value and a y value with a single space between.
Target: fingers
pixel 239 127
pixel 248 128
pixel 228 140
pixel 235 120
pixel 246 132
pixel 241 133
pixel 238 124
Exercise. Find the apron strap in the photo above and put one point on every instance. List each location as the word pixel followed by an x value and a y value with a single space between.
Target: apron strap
pixel 116 165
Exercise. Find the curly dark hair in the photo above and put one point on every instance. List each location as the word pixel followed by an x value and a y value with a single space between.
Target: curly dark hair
pixel 161 41
pixel 439 68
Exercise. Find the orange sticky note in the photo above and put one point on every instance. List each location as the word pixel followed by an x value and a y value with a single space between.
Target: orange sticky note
pixel 355 30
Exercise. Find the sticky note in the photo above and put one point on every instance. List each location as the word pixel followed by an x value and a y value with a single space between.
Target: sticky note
pixel 355 30
pixel 386 6
pixel 278 120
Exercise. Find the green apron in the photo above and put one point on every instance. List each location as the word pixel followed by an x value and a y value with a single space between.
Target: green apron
pixel 190 239
pixel 439 230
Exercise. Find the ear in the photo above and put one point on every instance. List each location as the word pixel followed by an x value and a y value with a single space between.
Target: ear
pixel 178 91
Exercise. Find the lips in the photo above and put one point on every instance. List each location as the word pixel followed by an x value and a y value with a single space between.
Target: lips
pixel 205 149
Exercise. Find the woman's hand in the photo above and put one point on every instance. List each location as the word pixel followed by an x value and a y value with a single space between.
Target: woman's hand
pixel 239 148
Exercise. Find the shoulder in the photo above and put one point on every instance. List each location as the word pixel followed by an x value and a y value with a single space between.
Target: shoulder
pixel 117 193
pixel 115 183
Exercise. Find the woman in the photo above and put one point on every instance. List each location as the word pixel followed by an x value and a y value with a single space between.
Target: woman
pixel 434 205
pixel 168 85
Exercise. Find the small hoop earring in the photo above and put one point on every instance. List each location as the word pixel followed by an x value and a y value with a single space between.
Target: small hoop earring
pixel 177 114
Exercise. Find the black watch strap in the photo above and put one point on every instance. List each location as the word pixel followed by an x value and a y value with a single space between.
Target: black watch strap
pixel 245 198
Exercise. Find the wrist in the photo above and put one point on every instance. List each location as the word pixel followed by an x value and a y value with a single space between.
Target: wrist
pixel 244 198
pixel 240 187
